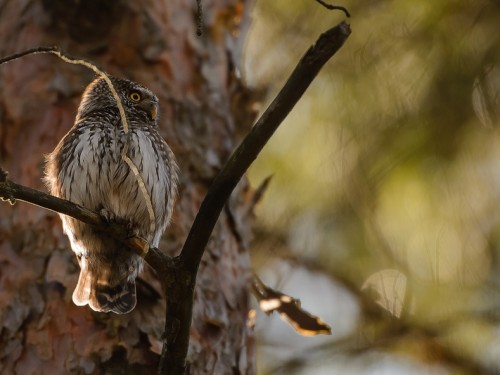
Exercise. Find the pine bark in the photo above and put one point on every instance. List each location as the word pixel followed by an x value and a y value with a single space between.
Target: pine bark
pixel 203 109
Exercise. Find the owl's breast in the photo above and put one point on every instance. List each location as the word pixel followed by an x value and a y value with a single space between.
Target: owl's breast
pixel 126 199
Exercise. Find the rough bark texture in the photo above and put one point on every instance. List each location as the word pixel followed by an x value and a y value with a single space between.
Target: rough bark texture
pixel 153 42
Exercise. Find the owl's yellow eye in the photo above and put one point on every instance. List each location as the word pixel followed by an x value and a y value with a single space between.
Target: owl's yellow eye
pixel 135 96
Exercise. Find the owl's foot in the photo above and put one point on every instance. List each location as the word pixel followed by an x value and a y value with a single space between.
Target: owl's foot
pixel 107 215
pixel 132 231
pixel 110 217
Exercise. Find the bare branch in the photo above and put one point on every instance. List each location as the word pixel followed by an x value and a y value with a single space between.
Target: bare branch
pixel 234 169
pixel 10 191
pixel 31 51
pixel 334 7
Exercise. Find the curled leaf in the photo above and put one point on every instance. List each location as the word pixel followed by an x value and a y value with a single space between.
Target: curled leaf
pixel 289 308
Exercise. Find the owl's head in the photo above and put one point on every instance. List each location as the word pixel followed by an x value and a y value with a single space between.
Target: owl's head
pixel 138 101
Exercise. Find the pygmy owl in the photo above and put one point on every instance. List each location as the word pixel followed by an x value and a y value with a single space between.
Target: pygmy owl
pixel 87 168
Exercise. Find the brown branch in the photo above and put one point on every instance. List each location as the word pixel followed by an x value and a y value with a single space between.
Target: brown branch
pixel 31 51
pixel 12 192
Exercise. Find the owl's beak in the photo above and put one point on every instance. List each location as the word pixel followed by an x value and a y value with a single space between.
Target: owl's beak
pixel 150 107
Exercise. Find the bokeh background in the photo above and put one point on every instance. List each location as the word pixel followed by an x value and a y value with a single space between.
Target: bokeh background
pixel 385 188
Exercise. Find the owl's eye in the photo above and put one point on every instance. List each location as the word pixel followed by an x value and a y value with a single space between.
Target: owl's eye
pixel 135 96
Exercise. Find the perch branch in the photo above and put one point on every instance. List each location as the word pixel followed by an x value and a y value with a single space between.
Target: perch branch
pixel 11 192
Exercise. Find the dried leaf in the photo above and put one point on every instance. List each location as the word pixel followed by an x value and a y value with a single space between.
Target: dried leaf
pixel 289 309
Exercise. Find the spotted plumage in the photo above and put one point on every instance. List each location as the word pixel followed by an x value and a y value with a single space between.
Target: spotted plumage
pixel 87 168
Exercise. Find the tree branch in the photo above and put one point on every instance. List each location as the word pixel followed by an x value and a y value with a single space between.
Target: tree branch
pixel 238 163
pixel 11 192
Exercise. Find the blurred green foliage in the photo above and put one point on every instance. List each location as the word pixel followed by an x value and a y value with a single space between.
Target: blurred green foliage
pixel 392 159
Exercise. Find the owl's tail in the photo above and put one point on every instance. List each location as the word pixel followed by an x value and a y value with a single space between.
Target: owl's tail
pixel 97 289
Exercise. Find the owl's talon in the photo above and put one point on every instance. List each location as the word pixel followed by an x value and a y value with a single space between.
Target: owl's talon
pixel 110 217
pixel 132 231
pixel 107 215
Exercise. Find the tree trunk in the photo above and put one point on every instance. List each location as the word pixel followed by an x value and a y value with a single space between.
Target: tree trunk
pixel 154 43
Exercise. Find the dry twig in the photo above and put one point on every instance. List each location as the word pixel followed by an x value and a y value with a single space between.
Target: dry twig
pixel 334 7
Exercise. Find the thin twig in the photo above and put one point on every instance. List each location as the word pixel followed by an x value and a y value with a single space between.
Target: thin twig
pixel 31 51
pixel 334 7
pixel 199 18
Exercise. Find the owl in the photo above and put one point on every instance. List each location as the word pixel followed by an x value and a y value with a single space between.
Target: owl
pixel 87 168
